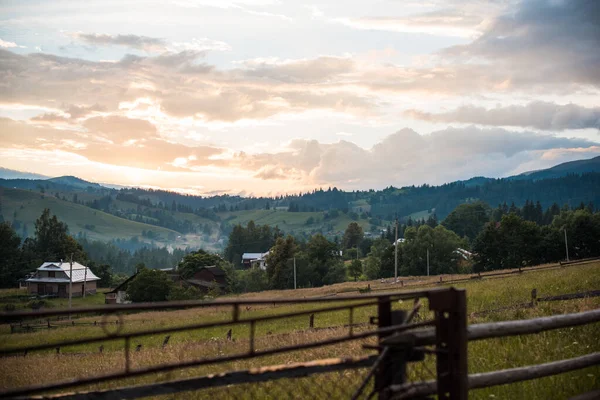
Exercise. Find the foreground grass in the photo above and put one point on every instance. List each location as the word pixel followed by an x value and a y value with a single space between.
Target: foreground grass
pixel 485 355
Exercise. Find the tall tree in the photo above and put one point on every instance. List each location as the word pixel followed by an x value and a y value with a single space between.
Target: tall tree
pixel 355 269
pixel 277 263
pixel 10 256
pixel 194 261
pixel 52 242
pixel 510 243
pixel 441 243
pixel 352 236
pixel 467 220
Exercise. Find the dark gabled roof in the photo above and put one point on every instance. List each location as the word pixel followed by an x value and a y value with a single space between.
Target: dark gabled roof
pixel 198 282
pixel 216 271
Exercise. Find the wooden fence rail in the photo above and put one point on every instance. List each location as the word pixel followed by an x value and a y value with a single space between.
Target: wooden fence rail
pixel 502 377
pixel 426 337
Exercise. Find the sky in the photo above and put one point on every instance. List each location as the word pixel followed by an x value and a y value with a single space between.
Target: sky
pixel 270 97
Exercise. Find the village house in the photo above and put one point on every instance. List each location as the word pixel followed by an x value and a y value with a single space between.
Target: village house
pixel 207 278
pixel 53 278
pixel 259 260
pixel 204 279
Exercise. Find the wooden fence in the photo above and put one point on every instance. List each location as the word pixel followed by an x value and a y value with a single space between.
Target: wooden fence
pixel 400 341
pixel 502 377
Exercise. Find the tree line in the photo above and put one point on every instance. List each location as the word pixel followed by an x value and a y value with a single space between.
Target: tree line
pixel 51 241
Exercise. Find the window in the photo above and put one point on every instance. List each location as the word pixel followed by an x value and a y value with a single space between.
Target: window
pixel 51 274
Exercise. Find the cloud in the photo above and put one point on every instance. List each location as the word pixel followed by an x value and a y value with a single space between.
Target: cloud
pixel 402 158
pixel 151 44
pixel 202 44
pixel 6 44
pixel 183 86
pixel 52 118
pixel 407 158
pixel 537 114
pixel 445 22
pixel 321 69
pixel 542 46
pixel 543 42
pixel 120 129
pixel 114 140
pixel 132 41
pixel 77 111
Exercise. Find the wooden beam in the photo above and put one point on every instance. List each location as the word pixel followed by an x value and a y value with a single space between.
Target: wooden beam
pixel 487 379
pixel 502 377
pixel 425 337
pixel 571 296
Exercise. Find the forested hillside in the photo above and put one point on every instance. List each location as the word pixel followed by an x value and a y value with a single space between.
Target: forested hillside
pixel 162 217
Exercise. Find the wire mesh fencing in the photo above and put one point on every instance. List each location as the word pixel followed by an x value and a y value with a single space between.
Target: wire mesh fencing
pixel 296 349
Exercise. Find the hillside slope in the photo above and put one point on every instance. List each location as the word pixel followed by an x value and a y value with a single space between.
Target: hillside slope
pixel 25 207
pixel 560 170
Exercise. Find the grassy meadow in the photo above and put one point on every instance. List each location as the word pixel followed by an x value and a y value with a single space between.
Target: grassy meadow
pixel 293 221
pixel 487 355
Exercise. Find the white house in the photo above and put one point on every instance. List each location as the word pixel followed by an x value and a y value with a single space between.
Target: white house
pixel 53 278
pixel 465 254
pixel 255 260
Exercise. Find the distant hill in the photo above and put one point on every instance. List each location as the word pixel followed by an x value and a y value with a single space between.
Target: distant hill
pixel 25 207
pixel 572 167
pixel 181 220
pixel 6 173
pixel 73 182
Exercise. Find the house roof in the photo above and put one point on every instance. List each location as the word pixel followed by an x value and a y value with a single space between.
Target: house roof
pixel 254 256
pixel 198 282
pixel 79 273
pixel 251 256
pixel 215 270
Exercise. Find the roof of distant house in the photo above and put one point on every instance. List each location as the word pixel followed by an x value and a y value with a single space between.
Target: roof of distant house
pixel 214 269
pixel 254 256
pixel 251 256
pixel 198 282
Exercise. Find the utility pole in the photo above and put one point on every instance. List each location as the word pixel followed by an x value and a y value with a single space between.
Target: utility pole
pixel 294 273
pixel 566 246
pixel 70 282
pixel 396 253
pixel 84 281
pixel 428 261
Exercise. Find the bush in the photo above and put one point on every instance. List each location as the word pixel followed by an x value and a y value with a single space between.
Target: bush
pixel 37 304
pixel 184 293
pixel 149 285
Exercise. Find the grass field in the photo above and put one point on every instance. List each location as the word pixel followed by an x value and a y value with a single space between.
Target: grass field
pixel 294 221
pixel 485 355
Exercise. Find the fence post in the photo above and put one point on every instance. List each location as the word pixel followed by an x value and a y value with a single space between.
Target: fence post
pixel 451 343
pixel 393 369
pixel 533 297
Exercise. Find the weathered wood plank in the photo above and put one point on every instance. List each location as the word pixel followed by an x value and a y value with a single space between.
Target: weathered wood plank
pixel 502 377
pixel 571 296
pixel 424 337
